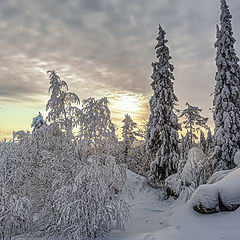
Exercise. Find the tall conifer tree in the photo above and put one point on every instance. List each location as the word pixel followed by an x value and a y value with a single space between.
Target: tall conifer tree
pixel 226 94
pixel 162 136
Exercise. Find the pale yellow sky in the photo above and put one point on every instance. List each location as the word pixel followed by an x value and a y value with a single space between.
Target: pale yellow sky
pixel 18 116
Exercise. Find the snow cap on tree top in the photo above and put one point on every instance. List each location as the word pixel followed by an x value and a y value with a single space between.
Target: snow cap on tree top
pixel 160 29
pixel 225 15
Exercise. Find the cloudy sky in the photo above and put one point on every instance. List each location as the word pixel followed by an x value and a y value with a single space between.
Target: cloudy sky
pixel 104 48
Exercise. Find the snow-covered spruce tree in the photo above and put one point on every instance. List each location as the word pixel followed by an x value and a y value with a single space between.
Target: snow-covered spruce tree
pixel 226 93
pixel 38 122
pixel 193 121
pixel 128 133
pixel 142 129
pixel 96 127
pixel 162 135
pixel 185 146
pixel 60 105
pixel 202 142
pixel 209 142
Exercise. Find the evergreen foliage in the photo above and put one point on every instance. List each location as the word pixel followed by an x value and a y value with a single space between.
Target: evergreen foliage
pixel 193 121
pixel 209 142
pixel 128 134
pixel 162 135
pixel 203 143
pixel 226 100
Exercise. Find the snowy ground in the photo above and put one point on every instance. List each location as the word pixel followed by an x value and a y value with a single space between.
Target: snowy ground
pixel 148 212
pixel 153 219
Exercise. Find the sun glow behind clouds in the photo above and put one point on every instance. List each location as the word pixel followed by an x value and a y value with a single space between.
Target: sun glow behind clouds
pixel 126 104
pixel 121 103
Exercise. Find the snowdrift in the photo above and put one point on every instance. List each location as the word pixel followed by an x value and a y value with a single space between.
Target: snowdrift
pixel 220 196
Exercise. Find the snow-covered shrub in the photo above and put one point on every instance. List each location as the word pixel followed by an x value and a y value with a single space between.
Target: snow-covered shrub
pixel 95 123
pixel 196 171
pixel 15 215
pixel 220 196
pixel 44 179
pixel 20 136
pixel 90 206
pixel 110 147
pixel 50 163
pixel 172 185
pixel 138 159
pixel 84 150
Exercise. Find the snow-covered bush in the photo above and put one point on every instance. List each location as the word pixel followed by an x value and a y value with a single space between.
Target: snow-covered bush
pixel 44 179
pixel 95 123
pixel 220 196
pixel 90 206
pixel 138 159
pixel 20 136
pixel 172 185
pixel 15 216
pixel 84 150
pixel 196 171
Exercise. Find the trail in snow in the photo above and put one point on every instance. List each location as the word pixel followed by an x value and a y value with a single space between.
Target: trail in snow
pixel 156 219
pixel 148 212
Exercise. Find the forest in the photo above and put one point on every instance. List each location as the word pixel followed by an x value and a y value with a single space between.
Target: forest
pixel 68 178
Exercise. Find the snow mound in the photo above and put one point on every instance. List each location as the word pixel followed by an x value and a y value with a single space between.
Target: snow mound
pixel 190 178
pixel 219 175
pixel 237 158
pixel 220 196
pixel 172 185
pixel 148 211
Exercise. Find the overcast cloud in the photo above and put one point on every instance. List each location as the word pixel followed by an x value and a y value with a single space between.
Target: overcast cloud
pixel 100 45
